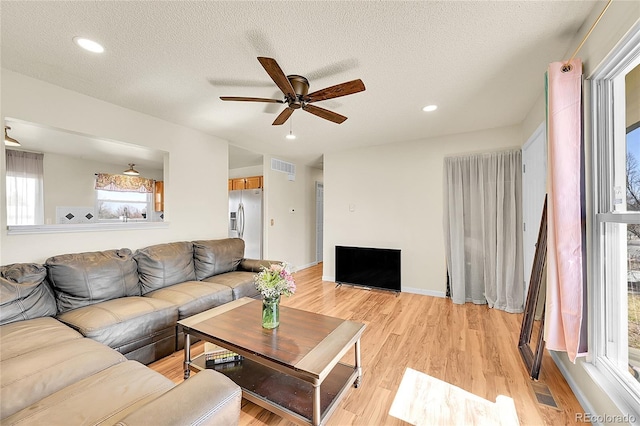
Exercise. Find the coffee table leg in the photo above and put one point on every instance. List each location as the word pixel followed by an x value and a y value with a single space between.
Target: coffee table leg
pixel 357 366
pixel 187 355
pixel 316 405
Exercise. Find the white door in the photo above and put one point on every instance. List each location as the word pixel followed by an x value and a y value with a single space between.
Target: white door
pixel 534 188
pixel 319 220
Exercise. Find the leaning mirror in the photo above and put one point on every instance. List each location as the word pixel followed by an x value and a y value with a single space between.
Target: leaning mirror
pixel 531 342
pixel 59 178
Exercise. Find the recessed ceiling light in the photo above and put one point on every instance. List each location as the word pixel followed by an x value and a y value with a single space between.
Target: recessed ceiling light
pixel 89 45
pixel 430 108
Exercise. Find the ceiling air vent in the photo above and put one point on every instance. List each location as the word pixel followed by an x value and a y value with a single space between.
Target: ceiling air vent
pixel 284 167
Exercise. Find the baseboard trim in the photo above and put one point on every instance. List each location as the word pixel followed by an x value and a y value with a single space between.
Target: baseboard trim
pixel 308 265
pixel 577 391
pixel 424 292
pixel 421 291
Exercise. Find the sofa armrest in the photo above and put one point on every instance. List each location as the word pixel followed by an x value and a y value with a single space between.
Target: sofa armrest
pixel 256 265
pixel 207 398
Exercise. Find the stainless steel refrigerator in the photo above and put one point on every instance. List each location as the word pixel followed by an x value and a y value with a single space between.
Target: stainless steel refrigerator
pixel 245 220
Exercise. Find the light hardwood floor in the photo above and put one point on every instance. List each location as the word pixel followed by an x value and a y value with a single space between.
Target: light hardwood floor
pixel 468 346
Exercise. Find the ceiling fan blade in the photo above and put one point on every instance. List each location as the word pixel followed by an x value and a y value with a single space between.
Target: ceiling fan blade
pixel 241 99
pixel 325 113
pixel 275 72
pixel 284 116
pixel 336 91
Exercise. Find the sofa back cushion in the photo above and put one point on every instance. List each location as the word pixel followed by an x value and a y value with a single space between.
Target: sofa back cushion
pixel 213 257
pixel 24 294
pixel 82 279
pixel 166 264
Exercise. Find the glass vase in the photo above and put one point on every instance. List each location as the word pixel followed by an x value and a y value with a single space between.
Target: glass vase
pixel 271 312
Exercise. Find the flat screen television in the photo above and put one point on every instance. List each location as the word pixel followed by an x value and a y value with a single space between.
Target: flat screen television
pixel 368 267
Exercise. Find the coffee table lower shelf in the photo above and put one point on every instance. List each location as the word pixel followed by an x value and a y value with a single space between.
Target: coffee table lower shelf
pixel 285 395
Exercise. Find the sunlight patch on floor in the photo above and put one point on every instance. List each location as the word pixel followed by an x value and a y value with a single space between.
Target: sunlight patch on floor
pixel 425 400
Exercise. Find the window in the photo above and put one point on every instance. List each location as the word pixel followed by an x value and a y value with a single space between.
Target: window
pixel 614 294
pixel 122 206
pixel 123 198
pixel 633 240
pixel 25 196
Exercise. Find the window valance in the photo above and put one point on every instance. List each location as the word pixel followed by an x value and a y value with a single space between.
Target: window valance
pixel 123 183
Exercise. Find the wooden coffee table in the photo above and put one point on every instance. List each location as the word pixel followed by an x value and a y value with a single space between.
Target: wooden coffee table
pixel 293 370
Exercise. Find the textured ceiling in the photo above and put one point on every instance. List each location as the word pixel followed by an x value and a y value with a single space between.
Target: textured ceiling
pixel 482 62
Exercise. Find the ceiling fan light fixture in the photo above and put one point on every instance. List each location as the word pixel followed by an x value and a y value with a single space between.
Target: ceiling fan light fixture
pixel 430 108
pixel 295 89
pixel 290 136
pixel 8 140
pixel 89 45
pixel 131 171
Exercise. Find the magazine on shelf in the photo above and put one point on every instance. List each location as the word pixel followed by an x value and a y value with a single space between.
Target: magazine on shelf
pixel 215 355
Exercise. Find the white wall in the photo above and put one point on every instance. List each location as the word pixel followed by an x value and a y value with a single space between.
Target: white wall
pixel 289 236
pixel 67 181
pixel 195 176
pixel 249 171
pixel 70 181
pixel 396 194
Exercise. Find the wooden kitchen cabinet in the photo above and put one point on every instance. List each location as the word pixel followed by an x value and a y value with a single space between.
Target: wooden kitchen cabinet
pixel 237 183
pixel 253 182
pixel 159 196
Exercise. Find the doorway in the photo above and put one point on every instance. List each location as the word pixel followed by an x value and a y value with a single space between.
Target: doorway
pixel 319 220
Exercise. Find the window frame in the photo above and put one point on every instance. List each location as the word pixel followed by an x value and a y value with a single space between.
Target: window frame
pixel 33 200
pixel 148 202
pixel 605 316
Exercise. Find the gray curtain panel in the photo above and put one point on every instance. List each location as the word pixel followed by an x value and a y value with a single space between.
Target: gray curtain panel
pixel 25 183
pixel 482 225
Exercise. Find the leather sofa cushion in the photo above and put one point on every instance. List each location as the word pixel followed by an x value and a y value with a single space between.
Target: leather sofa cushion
pixel 25 336
pixel 256 265
pixel 36 334
pixel 163 265
pixel 120 322
pixel 102 398
pixel 213 257
pixel 193 297
pixel 24 294
pixel 241 283
pixel 208 398
pixel 82 279
pixel 39 373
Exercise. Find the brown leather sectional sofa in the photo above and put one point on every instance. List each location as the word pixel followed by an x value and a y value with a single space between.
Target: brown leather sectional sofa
pixel 75 332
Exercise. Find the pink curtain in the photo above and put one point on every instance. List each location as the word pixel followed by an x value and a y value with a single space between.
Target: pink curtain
pixel 565 291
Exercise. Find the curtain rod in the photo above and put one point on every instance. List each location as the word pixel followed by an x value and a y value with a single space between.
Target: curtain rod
pixel 120 174
pixel 483 152
pixel 567 66
pixel 19 149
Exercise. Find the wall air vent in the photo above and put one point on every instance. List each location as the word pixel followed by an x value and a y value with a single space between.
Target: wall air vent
pixel 284 167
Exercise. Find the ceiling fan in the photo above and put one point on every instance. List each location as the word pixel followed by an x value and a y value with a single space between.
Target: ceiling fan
pixel 296 94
